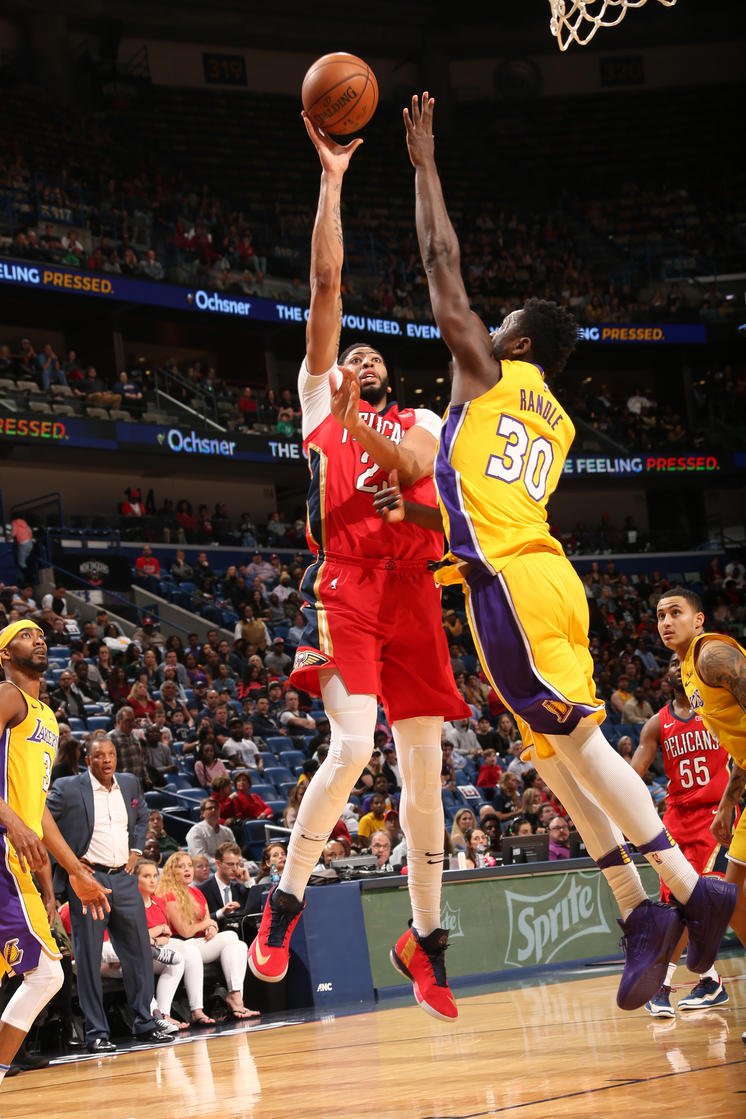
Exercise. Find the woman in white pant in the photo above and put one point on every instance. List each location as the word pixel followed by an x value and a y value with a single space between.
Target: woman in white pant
pixel 198 938
pixel 170 973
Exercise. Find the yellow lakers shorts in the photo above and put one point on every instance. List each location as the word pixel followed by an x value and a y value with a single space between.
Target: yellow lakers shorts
pixel 737 848
pixel 530 624
pixel 24 925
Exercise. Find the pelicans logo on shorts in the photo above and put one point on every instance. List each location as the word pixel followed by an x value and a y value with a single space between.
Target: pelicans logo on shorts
pixel 561 711
pixel 309 658
pixel 12 952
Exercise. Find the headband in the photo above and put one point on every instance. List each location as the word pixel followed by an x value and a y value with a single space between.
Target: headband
pixel 11 631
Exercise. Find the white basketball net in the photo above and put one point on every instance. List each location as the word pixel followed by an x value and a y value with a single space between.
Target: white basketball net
pixel 579 20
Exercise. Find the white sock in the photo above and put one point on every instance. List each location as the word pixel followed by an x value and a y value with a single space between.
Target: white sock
pixel 711 974
pixel 672 865
pixel 626 886
pixel 352 719
pixel 670 972
pixel 421 812
pixel 622 794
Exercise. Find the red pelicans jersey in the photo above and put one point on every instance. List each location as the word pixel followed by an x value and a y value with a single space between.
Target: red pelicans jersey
pixel 341 520
pixel 695 763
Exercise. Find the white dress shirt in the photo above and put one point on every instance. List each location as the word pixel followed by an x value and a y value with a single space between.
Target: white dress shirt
pixel 110 843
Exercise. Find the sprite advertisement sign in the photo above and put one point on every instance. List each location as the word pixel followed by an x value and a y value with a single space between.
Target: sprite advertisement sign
pixel 503 923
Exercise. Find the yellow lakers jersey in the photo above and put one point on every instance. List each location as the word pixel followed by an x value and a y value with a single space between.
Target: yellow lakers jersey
pixel 27 754
pixel 499 460
pixel 720 711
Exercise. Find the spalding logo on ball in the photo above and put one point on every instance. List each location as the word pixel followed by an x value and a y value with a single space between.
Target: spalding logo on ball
pixel 340 93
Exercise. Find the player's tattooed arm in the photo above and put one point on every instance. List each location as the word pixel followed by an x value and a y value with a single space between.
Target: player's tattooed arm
pixel 337 217
pixel 722 824
pixel 737 784
pixel 724 666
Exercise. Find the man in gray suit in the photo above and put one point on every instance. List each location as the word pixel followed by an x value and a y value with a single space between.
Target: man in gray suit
pixel 104 817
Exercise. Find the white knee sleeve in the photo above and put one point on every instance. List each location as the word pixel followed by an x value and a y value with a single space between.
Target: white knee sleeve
pixel 352 719
pixel 421 810
pixel 420 760
pixel 38 987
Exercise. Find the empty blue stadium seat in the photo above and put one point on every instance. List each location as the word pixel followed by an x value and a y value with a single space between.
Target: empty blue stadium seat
pixel 631 729
pixel 292 758
pixel 181 781
pixel 277 774
pixel 77 726
pixel 264 790
pixel 253 832
pixel 177 824
pixel 268 758
pixel 99 722
pixel 276 743
pixel 192 797
pixel 161 798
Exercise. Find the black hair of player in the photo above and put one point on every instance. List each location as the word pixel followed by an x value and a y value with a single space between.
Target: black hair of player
pixel 358 346
pixel 553 331
pixel 688 595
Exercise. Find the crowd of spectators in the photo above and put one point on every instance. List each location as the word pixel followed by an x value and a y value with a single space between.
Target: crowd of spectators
pixel 67 381
pixel 222 744
pixel 629 418
pixel 607 255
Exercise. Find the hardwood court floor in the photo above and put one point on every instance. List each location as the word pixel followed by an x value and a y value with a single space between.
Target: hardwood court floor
pixel 555 1048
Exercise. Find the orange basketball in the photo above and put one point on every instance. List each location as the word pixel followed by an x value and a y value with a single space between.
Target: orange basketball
pixel 340 93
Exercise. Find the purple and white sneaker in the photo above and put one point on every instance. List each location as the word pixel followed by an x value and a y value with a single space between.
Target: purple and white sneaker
pixel 650 935
pixel 707 914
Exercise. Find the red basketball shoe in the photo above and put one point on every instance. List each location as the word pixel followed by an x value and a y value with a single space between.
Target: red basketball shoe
pixel 269 954
pixel 422 960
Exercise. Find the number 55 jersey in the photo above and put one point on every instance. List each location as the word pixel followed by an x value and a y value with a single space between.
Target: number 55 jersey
pixel 697 770
pixel 695 763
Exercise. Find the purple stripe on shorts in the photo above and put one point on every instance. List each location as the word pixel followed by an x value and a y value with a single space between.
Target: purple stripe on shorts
pixel 460 540
pixel 507 653
pixel 18 943
pixel 4 748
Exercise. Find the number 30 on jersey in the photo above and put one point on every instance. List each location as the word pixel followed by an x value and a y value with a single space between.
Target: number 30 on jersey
pixel 523 458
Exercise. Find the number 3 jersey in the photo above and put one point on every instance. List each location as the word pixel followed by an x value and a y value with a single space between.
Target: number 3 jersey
pixel 27 753
pixel 500 459
pixel 341 519
pixel 696 765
